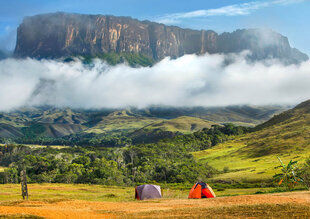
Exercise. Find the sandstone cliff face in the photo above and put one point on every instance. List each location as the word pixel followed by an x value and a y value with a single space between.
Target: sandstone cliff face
pixel 61 34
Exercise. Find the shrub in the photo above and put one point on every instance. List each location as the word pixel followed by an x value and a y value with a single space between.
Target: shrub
pixel 304 172
pixel 289 176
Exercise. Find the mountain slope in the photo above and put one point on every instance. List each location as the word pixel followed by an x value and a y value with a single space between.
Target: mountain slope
pixel 60 116
pixel 49 122
pixel 185 124
pixel 121 121
pixel 156 122
pixel 9 131
pixel 169 128
pixel 58 35
pixel 240 115
pixel 254 155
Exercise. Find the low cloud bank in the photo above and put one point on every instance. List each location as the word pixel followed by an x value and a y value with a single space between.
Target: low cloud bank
pixel 208 80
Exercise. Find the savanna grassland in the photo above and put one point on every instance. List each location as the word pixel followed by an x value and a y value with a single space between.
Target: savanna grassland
pixel 238 162
pixel 98 201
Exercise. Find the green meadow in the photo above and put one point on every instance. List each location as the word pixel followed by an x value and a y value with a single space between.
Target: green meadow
pixel 58 191
pixel 234 165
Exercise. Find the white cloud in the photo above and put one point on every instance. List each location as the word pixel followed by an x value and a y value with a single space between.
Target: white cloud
pixel 187 81
pixel 230 10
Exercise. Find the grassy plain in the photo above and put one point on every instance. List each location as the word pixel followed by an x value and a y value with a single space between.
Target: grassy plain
pixel 51 192
pixel 97 201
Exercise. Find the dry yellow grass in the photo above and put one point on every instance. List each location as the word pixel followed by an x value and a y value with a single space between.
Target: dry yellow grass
pixel 295 204
pixel 96 201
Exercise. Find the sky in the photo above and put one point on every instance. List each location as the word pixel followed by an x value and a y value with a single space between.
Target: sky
pixel 288 17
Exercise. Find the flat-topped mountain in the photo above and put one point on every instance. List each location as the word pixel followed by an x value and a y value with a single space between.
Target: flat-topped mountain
pixel 61 34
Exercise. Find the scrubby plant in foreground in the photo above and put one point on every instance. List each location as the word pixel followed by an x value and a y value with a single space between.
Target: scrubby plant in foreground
pixel 289 176
pixel 304 172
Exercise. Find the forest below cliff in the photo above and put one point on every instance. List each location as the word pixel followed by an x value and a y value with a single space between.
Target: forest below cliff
pixel 168 160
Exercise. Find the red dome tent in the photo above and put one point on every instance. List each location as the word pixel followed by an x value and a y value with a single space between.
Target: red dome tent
pixel 201 190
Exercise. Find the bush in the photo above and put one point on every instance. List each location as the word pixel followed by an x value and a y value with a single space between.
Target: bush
pixel 305 173
pixel 226 169
pixel 288 176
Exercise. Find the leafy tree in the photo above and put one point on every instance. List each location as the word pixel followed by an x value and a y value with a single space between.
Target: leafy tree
pixel 11 175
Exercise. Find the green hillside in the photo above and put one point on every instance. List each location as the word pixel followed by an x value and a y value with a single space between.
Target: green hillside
pixel 169 128
pixel 254 155
pixel 9 131
pixel 134 60
pixel 120 121
pixel 48 125
pixel 245 115
pixel 184 124
pixel 60 116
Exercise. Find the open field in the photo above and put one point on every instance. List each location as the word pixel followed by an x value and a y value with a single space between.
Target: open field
pixel 95 201
pixel 57 191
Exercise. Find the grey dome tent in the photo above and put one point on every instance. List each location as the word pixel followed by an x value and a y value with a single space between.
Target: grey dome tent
pixel 147 191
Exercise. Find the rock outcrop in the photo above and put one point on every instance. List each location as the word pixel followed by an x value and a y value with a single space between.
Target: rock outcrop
pixel 61 34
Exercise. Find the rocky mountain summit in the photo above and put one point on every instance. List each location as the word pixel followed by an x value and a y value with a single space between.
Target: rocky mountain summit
pixel 62 34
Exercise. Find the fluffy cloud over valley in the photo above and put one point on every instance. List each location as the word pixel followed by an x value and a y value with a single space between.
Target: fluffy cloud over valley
pixel 208 80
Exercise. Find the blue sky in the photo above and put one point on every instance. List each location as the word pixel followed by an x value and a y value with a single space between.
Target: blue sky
pixel 288 17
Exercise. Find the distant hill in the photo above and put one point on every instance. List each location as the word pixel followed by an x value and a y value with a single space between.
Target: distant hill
pixel 241 115
pixel 254 155
pixel 119 121
pixel 60 116
pixel 169 128
pixel 141 125
pixel 9 131
pixel 183 123
pixel 57 35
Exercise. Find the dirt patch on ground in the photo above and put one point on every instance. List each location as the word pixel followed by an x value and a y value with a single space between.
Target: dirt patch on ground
pixel 251 205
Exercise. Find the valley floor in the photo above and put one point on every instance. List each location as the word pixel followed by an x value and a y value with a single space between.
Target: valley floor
pixel 63 201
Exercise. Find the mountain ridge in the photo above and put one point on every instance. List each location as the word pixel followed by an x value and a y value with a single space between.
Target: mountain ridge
pixel 61 34
pixel 55 122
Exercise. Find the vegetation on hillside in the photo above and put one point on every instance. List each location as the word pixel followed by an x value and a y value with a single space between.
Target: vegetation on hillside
pixel 253 156
pixel 168 160
pixel 237 153
pixel 288 176
pixel 304 173
pixel 133 59
pixel 153 122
